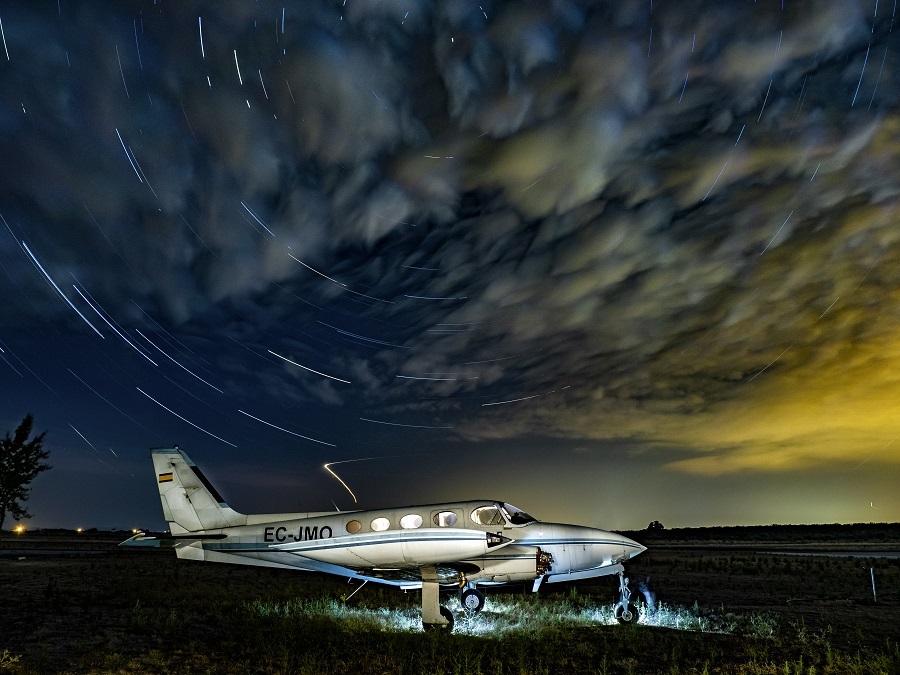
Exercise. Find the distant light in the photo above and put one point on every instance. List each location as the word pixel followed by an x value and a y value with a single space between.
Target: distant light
pixel 134 531
pixel 19 529
pixel 80 529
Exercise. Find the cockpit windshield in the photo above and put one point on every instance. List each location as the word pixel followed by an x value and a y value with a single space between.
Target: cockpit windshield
pixel 516 516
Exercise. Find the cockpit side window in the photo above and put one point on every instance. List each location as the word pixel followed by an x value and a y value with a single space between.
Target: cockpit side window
pixel 488 515
pixel 517 516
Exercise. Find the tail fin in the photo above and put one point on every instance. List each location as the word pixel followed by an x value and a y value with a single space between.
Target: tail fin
pixel 190 503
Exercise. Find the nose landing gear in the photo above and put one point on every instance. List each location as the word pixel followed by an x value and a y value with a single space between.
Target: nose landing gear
pixel 625 610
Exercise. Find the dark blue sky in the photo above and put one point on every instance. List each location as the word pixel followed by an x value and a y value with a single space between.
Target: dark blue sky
pixel 612 262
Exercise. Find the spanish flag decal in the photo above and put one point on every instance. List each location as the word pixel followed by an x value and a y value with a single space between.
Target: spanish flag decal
pixel 165 477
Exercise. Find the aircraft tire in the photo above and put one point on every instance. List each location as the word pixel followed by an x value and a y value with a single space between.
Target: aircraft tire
pixel 447 627
pixel 472 600
pixel 630 616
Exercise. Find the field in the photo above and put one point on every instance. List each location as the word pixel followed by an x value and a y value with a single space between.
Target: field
pixel 731 600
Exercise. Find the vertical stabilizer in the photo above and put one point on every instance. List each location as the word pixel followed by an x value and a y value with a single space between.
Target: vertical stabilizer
pixel 190 503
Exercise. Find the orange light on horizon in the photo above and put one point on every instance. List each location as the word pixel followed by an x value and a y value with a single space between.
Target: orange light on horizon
pixel 19 529
pixel 80 529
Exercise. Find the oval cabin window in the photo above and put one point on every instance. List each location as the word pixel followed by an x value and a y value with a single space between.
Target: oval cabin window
pixel 354 526
pixel 380 524
pixel 445 519
pixel 411 521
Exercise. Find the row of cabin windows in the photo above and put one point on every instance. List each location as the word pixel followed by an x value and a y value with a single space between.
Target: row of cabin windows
pixel 485 515
pixel 408 522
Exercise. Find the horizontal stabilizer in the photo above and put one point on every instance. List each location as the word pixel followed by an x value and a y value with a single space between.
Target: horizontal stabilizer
pixel 166 540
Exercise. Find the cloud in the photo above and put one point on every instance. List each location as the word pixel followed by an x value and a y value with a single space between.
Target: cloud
pixel 686 239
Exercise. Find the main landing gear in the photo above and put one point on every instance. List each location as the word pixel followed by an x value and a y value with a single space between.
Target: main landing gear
pixel 434 617
pixel 437 617
pixel 447 626
pixel 625 610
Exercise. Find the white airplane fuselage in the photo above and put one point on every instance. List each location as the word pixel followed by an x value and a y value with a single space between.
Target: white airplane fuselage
pixel 502 553
pixel 479 542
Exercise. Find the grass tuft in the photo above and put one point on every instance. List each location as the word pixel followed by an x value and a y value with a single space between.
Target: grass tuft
pixel 9 661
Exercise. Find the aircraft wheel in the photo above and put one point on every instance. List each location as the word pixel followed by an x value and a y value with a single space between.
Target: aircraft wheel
pixel 447 614
pixel 472 600
pixel 628 614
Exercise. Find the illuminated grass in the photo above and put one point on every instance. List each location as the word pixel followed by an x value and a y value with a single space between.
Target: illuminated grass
pixel 512 614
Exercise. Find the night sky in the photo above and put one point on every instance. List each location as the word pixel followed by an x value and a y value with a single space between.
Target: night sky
pixel 612 262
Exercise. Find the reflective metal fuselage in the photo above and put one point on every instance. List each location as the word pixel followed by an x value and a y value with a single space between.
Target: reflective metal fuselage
pixel 348 543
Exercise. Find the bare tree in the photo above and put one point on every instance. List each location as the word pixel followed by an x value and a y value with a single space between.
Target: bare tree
pixel 20 461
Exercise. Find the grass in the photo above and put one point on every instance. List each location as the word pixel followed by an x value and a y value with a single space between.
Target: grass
pixel 515 634
pixel 507 615
pixel 323 637
pixel 722 612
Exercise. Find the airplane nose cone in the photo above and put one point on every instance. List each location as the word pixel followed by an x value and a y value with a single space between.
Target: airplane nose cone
pixel 632 548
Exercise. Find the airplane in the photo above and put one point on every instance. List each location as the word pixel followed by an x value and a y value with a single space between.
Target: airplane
pixel 460 545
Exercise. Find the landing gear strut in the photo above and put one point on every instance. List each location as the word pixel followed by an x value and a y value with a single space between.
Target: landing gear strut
pixel 434 617
pixel 625 610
